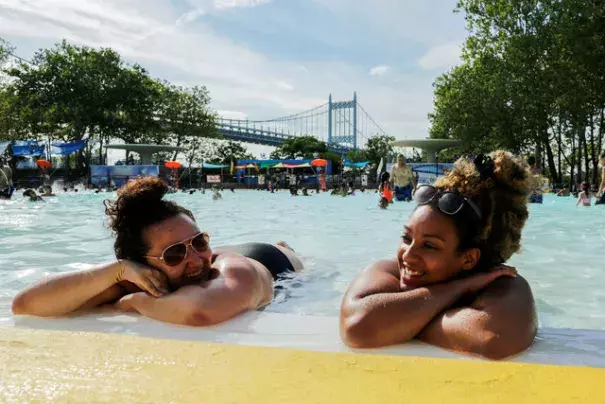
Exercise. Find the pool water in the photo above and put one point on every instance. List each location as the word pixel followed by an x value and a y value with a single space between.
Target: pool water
pixel 563 255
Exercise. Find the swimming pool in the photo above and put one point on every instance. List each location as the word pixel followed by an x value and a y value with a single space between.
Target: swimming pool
pixel 562 257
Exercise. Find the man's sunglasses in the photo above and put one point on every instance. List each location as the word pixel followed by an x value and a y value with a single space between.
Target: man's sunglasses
pixel 448 202
pixel 175 254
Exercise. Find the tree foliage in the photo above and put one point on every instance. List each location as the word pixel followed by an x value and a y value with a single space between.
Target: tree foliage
pixel 72 93
pixel 231 151
pixel 531 81
pixel 299 147
pixel 5 50
pixel 378 147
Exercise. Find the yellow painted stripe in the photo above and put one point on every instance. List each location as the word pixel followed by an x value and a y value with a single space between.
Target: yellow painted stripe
pixel 38 366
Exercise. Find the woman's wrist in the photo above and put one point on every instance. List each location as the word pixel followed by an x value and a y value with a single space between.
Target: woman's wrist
pixel 460 286
pixel 118 270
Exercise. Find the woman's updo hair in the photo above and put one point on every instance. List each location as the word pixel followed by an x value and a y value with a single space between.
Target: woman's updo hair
pixel 140 204
pixel 500 185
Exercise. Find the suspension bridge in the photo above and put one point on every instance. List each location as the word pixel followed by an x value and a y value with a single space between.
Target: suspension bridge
pixel 343 125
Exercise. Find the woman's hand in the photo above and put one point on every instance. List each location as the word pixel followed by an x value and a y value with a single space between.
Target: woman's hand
pixel 150 280
pixel 475 283
pixel 125 304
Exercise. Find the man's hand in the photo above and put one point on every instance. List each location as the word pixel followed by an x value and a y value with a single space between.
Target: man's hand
pixel 150 280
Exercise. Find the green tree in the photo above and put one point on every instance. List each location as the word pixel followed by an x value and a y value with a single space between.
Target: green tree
pixel 379 147
pixel 73 93
pixel 185 114
pixel 531 81
pixel 5 50
pixel 299 147
pixel 231 151
pixel 357 156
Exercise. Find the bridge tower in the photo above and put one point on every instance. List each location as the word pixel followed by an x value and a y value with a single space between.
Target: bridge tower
pixel 342 122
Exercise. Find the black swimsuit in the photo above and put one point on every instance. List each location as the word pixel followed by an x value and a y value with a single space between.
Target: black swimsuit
pixel 267 254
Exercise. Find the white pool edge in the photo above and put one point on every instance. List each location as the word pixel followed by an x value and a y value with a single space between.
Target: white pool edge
pixel 552 346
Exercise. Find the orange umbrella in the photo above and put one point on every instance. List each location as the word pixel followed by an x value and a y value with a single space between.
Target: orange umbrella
pixel 319 163
pixel 44 164
pixel 173 165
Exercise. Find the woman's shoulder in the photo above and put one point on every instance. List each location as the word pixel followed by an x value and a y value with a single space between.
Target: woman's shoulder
pixel 384 265
pixel 508 289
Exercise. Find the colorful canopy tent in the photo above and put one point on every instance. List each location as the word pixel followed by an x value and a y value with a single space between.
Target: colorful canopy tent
pixel 302 165
pixel 28 148
pixel 285 163
pixel 214 166
pixel 246 166
pixel 362 164
pixel 62 149
pixel 4 146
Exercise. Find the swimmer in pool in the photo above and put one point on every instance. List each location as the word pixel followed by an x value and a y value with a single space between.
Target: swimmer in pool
pixel 6 181
pixel 47 191
pixel 585 196
pixel 403 179
pixel 385 188
pixel 448 285
pixel 539 181
pixel 601 188
pixel 33 197
pixel 166 268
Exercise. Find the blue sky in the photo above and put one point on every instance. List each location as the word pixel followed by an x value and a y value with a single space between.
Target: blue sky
pixel 262 59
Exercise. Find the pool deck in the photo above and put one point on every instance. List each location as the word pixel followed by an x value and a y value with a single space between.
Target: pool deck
pixel 270 357
pixel 42 365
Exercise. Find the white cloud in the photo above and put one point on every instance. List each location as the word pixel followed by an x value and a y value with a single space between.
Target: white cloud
pixel 223 4
pixel 189 17
pixel 242 83
pixel 379 70
pixel 441 56
pixel 232 114
pixel 284 86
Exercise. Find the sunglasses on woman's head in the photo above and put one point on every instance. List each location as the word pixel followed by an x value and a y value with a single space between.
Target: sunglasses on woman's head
pixel 176 253
pixel 448 202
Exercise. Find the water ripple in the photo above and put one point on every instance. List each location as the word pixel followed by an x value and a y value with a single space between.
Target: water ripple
pixel 562 254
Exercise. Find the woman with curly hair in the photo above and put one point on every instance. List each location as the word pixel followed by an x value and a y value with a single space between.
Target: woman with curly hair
pixel 448 285
pixel 165 267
